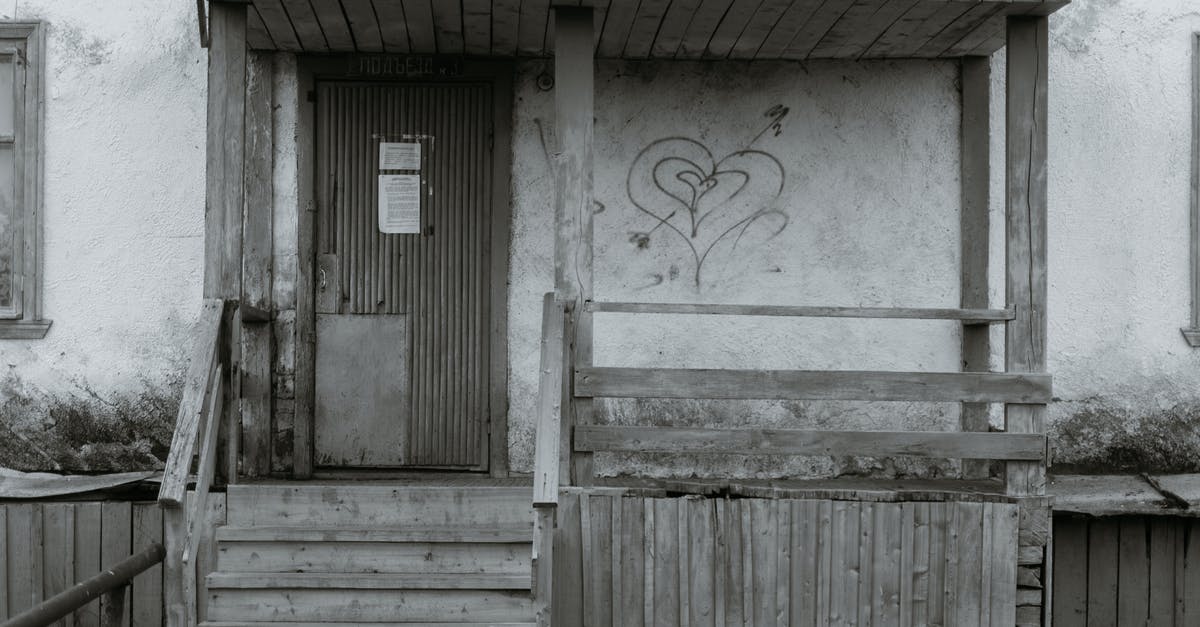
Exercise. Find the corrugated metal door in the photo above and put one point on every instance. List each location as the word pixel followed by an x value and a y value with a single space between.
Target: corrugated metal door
pixel 402 332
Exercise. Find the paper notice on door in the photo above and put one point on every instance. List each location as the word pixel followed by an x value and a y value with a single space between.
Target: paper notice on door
pixel 399 203
pixel 399 156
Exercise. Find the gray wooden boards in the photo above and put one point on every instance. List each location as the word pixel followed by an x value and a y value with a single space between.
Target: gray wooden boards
pixel 20 485
pixel 640 562
pixel 692 29
pixel 843 385
pixel 1127 570
pixel 802 442
pixel 47 547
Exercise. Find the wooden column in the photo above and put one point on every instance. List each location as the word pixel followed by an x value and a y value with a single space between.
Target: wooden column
pixel 1191 333
pixel 225 157
pixel 255 405
pixel 1025 232
pixel 976 73
pixel 574 111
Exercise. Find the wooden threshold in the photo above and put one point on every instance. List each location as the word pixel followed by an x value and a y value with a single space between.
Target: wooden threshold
pixel 968 316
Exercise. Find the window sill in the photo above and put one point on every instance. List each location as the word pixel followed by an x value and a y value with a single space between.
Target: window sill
pixel 1192 335
pixel 24 329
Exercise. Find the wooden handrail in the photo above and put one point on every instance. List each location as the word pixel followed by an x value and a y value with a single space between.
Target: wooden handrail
pixel 205 339
pixel 197 425
pixel 967 316
pixel 111 581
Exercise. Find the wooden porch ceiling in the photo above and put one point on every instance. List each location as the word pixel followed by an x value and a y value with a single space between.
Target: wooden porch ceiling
pixel 640 29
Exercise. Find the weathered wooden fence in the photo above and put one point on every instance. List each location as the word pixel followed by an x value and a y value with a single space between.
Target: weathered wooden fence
pixel 1126 570
pixel 47 547
pixel 629 561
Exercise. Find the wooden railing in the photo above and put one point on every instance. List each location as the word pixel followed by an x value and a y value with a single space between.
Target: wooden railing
pixel 566 385
pixel 196 430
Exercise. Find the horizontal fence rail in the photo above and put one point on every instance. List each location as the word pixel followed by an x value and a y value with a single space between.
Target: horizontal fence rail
pixel 968 316
pixel 828 385
pixel 1005 446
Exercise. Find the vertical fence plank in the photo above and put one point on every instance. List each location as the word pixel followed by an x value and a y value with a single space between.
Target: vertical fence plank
pixel 666 562
pixel 147 599
pixel 681 563
pixel 843 591
pixel 745 511
pixel 1133 608
pixel 866 560
pixel 701 566
pixel 939 519
pixel 920 568
pixel 587 560
pixel 762 522
pixel 24 556
pixel 729 526
pixel 1162 569
pixel 601 563
pixel 58 535
pixel 4 560
pixel 950 582
pixel 907 563
pixel 1071 572
pixel 804 556
pixel 568 562
pixel 970 563
pixel 115 535
pixel 1005 524
pixel 1101 567
pixel 887 585
pixel 649 562
pixel 632 567
pixel 1191 570
pixel 825 563
pixel 87 557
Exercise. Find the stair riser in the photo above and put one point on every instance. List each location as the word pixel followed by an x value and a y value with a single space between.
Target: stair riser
pixel 373 557
pixel 365 506
pixel 299 605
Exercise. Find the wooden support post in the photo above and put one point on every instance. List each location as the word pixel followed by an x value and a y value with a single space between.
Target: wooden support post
pixel 1191 333
pixel 225 156
pixel 256 306
pixel 306 317
pixel 174 537
pixel 973 237
pixel 574 111
pixel 1025 241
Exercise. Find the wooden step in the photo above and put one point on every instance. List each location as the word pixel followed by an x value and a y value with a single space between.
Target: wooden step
pixel 327 624
pixel 336 505
pixel 279 623
pixel 308 605
pixel 476 534
pixel 268 556
pixel 371 581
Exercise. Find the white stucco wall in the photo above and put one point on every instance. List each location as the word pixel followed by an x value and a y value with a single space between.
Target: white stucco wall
pixel 123 218
pixel 123 194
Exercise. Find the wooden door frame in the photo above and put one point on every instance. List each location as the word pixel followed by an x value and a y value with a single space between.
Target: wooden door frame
pixel 399 68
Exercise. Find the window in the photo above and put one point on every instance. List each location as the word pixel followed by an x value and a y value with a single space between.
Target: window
pixel 21 50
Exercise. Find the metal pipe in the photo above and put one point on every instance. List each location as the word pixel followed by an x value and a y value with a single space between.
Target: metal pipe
pixel 68 601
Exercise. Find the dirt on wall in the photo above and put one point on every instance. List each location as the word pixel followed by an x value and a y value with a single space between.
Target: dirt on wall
pixel 83 432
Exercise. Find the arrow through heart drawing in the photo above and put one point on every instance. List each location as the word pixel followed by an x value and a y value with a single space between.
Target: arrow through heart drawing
pixel 705 200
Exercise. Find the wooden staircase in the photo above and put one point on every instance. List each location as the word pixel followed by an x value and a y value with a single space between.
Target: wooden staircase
pixel 300 554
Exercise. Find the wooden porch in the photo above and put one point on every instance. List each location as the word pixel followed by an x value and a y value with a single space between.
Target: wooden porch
pixel 964 551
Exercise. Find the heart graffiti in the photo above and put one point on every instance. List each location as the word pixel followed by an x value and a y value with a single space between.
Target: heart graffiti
pixel 704 200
